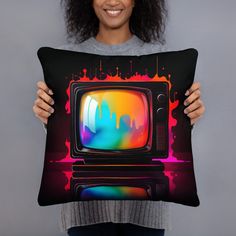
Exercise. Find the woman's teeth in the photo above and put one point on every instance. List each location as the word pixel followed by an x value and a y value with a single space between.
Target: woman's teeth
pixel 113 12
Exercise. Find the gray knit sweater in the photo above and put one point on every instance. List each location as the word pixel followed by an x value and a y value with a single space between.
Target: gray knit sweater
pixel 152 214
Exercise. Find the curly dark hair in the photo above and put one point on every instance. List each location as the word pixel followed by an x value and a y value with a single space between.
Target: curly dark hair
pixel 147 20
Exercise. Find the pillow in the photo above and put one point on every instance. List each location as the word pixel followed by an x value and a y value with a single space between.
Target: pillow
pixel 118 130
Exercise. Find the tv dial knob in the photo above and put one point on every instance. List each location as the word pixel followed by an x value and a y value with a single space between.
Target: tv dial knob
pixel 161 98
pixel 160 114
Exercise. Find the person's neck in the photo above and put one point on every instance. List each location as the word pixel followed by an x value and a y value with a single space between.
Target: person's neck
pixel 113 36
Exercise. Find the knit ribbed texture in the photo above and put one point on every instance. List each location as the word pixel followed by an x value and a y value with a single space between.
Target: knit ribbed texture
pixel 152 214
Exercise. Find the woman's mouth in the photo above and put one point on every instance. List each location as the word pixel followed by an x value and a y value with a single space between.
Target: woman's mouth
pixel 113 13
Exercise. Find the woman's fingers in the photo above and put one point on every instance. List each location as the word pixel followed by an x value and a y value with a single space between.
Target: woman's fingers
pixel 41 114
pixel 196 113
pixel 44 96
pixel 42 85
pixel 43 105
pixel 44 92
pixel 195 86
pixel 192 97
pixel 193 106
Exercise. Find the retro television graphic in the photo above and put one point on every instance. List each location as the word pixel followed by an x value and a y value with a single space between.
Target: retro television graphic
pixel 117 128
pixel 119 122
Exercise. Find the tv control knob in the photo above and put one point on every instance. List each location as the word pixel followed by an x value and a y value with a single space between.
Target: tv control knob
pixel 161 98
pixel 160 114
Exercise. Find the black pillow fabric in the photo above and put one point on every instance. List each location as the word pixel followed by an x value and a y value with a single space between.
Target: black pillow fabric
pixel 118 130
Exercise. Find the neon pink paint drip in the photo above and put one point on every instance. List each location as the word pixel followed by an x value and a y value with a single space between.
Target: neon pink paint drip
pixel 68 175
pixel 171 176
pixel 65 160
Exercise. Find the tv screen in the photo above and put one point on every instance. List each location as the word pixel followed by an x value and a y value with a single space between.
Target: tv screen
pixel 114 192
pixel 114 119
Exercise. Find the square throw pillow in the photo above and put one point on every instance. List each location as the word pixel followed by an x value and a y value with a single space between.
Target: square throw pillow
pixel 118 130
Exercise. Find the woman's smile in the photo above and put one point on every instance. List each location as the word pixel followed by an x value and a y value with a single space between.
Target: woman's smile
pixel 113 13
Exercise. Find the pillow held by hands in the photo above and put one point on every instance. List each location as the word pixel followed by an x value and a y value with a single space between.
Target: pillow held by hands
pixel 118 130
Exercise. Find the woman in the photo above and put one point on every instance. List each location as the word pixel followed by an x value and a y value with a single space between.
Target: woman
pixel 115 27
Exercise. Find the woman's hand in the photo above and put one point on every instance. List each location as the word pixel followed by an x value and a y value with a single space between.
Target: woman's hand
pixel 43 103
pixel 195 107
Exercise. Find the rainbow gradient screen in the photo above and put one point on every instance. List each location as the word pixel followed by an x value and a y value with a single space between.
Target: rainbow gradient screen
pixel 114 192
pixel 114 119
